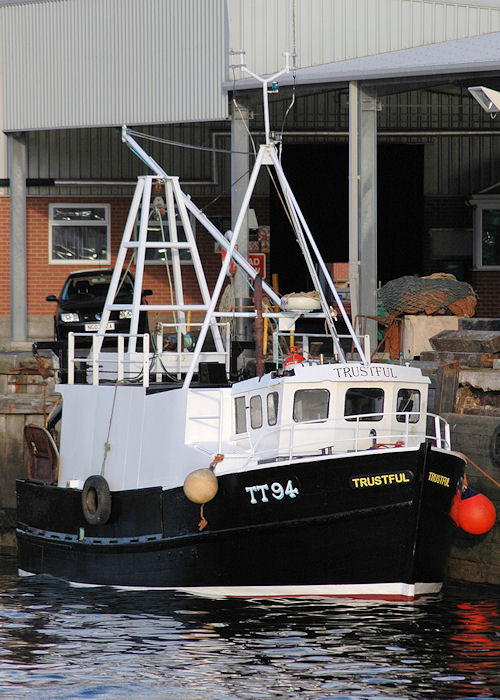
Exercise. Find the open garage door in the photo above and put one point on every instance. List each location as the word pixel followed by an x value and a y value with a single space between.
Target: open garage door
pixel 318 175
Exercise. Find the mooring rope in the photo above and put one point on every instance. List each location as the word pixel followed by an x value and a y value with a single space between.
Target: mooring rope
pixel 468 459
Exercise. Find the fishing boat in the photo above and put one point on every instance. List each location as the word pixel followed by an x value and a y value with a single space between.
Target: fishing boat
pixel 322 475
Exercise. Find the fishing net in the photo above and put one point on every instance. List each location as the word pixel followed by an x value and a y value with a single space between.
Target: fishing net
pixel 440 293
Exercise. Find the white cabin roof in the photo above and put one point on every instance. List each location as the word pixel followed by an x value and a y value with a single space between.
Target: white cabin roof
pixel 346 373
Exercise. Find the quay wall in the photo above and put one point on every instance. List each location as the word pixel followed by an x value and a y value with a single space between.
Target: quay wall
pixel 27 395
pixel 476 558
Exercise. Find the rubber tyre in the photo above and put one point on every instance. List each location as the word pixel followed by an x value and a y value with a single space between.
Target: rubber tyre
pixel 495 447
pixel 96 500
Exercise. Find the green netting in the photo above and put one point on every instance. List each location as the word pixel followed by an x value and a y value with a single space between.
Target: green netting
pixel 421 294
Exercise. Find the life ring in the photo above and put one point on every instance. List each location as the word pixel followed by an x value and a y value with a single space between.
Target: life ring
pixel 96 500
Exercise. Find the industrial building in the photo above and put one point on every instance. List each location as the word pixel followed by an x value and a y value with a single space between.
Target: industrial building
pixel 394 163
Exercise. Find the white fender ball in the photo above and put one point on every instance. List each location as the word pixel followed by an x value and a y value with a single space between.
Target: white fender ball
pixel 201 486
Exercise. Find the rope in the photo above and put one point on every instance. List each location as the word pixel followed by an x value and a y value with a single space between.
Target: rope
pixel 53 409
pixel 378 445
pixel 167 262
pixel 107 446
pixel 468 459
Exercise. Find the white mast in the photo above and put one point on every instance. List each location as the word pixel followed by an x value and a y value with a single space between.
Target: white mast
pixel 267 156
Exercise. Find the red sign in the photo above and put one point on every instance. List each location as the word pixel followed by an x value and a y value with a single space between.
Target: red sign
pixel 258 262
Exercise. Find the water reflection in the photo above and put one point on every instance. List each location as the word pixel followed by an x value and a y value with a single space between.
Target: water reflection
pixel 59 641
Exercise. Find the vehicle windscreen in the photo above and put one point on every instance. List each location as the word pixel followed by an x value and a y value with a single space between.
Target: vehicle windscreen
pixel 93 286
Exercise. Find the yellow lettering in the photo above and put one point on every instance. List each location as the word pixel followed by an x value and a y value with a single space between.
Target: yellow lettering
pixel 360 482
pixel 439 479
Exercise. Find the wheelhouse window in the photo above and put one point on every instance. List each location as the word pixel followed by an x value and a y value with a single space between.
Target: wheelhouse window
pixel 240 415
pixel 408 401
pixel 364 403
pixel 310 404
pixel 79 233
pixel 272 408
pixel 256 412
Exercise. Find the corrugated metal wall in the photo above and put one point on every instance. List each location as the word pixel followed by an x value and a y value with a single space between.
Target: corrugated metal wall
pixel 336 30
pixel 102 62
pixel 462 144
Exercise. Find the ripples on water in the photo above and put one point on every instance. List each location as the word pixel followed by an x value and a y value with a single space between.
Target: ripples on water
pixel 57 641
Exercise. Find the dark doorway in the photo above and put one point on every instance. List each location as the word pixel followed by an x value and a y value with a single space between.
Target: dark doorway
pixel 318 175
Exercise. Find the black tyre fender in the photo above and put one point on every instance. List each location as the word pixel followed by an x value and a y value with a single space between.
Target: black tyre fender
pixel 96 500
pixel 495 446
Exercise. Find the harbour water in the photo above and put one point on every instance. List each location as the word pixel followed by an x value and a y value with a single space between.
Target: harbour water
pixel 58 641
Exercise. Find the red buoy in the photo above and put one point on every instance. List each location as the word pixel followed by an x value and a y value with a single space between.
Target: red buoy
pixel 473 512
pixel 295 357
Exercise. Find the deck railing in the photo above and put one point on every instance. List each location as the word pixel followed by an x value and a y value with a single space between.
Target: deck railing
pixel 119 365
pixel 340 436
pixel 115 363
pixel 307 341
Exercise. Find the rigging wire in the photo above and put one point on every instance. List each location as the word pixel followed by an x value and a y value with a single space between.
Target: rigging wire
pixel 225 191
pixel 246 127
pixel 170 142
pixel 294 75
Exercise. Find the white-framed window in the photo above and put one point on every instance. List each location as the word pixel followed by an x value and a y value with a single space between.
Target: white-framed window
pixel 310 404
pixel 364 404
pixel 240 415
pixel 272 408
pixel 408 401
pixel 486 232
pixel 79 233
pixel 256 412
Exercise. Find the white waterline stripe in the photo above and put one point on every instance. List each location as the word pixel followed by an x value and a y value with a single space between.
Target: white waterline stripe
pixel 382 591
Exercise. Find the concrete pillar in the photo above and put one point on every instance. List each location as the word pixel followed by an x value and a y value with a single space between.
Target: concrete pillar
pixel 354 201
pixel 363 203
pixel 240 165
pixel 18 277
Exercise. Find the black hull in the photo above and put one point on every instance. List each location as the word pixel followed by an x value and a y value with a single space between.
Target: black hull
pixel 352 529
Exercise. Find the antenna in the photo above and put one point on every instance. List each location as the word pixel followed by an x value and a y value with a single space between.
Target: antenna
pixel 265 85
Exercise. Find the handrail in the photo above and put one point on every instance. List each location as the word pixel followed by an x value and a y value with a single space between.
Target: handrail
pixel 440 437
pixel 181 329
pixel 277 334
pixel 97 357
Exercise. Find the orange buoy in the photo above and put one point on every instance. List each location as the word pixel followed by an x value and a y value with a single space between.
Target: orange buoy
pixel 295 357
pixel 473 512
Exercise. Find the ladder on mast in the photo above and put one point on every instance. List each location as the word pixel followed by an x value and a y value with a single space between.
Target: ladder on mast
pixel 142 206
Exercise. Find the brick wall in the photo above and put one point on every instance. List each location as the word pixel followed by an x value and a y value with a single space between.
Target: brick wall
pixel 47 278
pixel 453 212
pixel 487 286
pixel 442 212
pixel 5 257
